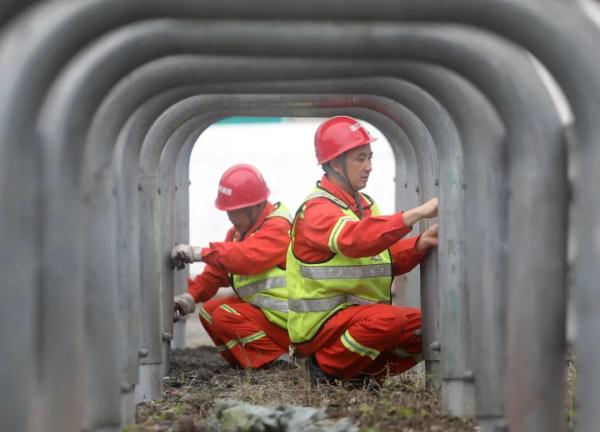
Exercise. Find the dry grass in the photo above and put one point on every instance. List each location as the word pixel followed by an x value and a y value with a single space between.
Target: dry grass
pixel 400 403
pixel 199 376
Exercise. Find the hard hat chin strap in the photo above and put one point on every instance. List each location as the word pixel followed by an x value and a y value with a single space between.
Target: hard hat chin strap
pixel 344 179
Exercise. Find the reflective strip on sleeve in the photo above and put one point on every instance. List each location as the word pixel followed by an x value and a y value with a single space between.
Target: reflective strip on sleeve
pixel 204 314
pixel 346 272
pixel 261 285
pixel 335 232
pixel 270 303
pixel 229 309
pixel 324 305
pixel 243 341
pixel 356 347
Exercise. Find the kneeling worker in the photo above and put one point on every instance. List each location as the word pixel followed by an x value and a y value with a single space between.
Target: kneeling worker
pixel 249 329
pixel 341 261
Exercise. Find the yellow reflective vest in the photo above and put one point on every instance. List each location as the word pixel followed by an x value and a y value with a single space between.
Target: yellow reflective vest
pixel 317 291
pixel 266 290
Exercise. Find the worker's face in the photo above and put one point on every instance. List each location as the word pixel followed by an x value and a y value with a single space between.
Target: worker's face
pixel 242 219
pixel 358 166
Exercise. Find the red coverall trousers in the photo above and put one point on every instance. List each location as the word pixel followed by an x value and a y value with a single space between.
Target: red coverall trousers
pixel 242 333
pixel 375 339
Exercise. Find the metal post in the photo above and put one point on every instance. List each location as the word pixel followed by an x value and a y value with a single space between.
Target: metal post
pixel 27 73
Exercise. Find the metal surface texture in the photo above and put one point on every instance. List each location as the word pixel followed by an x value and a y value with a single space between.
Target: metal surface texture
pixel 146 115
pixel 73 141
pixel 164 28
pixel 187 68
pixel 529 65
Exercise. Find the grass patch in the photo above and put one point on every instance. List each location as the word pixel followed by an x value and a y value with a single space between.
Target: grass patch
pixel 198 377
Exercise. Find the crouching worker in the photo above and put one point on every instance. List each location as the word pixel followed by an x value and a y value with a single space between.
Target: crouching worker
pixel 341 261
pixel 249 329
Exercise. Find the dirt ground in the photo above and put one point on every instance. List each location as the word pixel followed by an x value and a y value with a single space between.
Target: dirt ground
pixel 199 376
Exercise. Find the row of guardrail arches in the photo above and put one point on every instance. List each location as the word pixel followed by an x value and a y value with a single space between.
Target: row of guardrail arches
pixel 101 102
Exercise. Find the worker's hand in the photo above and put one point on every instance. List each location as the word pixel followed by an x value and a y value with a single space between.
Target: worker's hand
pixel 183 254
pixel 428 239
pixel 424 211
pixel 183 304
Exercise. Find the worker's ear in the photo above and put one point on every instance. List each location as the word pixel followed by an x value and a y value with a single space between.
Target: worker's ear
pixel 336 165
pixel 256 209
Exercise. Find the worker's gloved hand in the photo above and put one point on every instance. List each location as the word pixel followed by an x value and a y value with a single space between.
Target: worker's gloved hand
pixel 183 254
pixel 429 209
pixel 183 304
pixel 428 239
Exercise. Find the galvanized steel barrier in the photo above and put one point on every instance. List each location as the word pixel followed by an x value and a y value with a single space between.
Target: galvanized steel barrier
pixel 101 102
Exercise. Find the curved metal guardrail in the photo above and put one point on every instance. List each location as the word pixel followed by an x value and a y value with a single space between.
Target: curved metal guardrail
pixel 102 101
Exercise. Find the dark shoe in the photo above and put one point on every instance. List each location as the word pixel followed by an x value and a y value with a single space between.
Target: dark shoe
pixel 316 375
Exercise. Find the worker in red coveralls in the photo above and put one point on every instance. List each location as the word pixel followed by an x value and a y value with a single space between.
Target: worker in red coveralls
pixel 340 265
pixel 249 329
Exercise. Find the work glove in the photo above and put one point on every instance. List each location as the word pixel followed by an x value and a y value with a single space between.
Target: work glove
pixel 183 254
pixel 183 304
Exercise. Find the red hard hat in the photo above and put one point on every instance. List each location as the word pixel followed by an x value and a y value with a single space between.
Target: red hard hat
pixel 337 135
pixel 241 186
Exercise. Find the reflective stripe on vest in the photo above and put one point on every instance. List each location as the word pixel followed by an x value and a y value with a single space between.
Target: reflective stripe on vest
pixel 346 272
pixel 323 305
pixel 267 290
pixel 265 302
pixel 318 290
pixel 261 285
